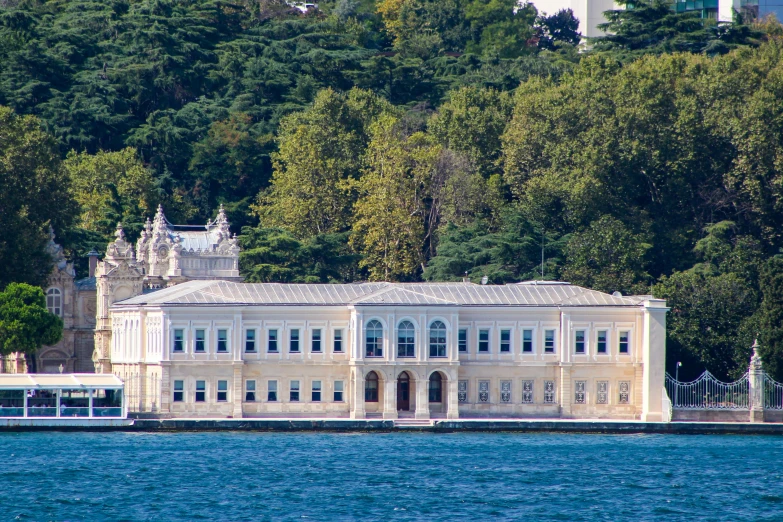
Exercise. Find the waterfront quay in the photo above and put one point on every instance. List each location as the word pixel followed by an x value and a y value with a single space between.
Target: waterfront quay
pixel 598 426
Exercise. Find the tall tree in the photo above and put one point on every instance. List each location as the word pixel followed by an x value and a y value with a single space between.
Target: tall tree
pixel 771 317
pixel 34 195
pixel 389 224
pixel 25 322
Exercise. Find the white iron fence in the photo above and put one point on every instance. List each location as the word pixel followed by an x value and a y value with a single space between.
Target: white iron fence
pixel 708 393
pixel 772 393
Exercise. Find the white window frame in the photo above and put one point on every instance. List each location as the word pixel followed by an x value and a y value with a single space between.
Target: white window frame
pixel 250 389
pixel 341 385
pixel 313 390
pixel 218 391
pixel 254 340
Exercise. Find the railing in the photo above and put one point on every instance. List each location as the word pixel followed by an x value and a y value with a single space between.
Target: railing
pixel 773 394
pixel 708 393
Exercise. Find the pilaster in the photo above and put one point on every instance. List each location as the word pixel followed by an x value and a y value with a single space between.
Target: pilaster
pixel 422 397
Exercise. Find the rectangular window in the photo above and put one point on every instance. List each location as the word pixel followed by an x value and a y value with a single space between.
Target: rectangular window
pixel 580 393
pixel 549 392
pixel 294 392
pixel 338 341
pixel 579 341
pixel 505 391
pixel 316 340
pixel 527 392
pixel 272 341
pixel 250 341
pixel 549 341
pixel 222 391
pixel 271 391
pixel 483 346
pixel 316 391
pixel 602 392
pixel 179 391
pixel 338 391
pixel 179 340
pixel 463 340
pixel 462 391
pixel 250 391
pixel 601 344
pixel 625 392
pixel 222 346
pixel 201 391
pixel 505 341
pixel 293 346
pixel 483 391
pixel 200 341
pixel 527 341
pixel 624 336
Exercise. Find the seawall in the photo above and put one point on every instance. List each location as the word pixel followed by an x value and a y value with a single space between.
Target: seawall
pixel 435 426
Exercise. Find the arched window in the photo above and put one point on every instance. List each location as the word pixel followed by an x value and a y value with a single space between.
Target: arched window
pixel 437 339
pixel 371 387
pixel 374 339
pixel 54 301
pixel 436 387
pixel 406 339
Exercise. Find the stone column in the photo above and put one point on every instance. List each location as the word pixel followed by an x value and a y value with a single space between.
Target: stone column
pixel 357 394
pixel 165 387
pixel 239 390
pixel 756 380
pixel 390 398
pixel 453 397
pixel 653 358
pixel 422 397
pixel 565 391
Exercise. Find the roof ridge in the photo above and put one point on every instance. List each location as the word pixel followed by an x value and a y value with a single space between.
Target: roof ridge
pixel 379 291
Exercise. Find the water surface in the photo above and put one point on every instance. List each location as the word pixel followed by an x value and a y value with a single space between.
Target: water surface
pixel 396 476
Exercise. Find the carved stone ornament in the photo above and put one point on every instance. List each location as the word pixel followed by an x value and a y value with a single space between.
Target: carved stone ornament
pixel 755 360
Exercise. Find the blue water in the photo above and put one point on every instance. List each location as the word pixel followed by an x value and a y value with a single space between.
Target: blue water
pixel 397 476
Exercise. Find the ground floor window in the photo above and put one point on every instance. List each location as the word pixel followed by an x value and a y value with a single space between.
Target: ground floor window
pixel 602 392
pixel 250 391
pixel 483 391
pixel 271 393
pixel 371 387
pixel 338 391
pixel 179 391
pixel 549 392
pixel 201 391
pixel 316 391
pixel 436 387
pixel 294 392
pixel 625 392
pixel 222 391
pixel 580 394
pixel 462 391
pixel 505 391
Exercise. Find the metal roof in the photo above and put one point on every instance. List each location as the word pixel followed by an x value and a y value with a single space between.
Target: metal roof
pixel 59 380
pixel 380 294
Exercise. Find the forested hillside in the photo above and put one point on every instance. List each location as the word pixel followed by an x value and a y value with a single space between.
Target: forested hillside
pixel 412 140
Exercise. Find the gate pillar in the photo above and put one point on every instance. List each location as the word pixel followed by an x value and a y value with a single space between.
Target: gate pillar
pixel 756 381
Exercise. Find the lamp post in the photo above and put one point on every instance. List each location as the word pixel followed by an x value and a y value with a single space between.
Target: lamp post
pixel 676 381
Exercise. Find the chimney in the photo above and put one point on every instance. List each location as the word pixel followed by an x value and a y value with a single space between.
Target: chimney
pixel 93 255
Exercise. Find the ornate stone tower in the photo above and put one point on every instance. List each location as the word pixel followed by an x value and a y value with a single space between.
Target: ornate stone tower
pixel 117 277
pixel 165 255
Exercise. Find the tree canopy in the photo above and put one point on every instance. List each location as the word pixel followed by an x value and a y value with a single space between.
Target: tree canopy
pixel 25 323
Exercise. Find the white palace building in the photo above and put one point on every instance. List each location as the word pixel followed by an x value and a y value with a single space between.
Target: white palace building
pixel 174 321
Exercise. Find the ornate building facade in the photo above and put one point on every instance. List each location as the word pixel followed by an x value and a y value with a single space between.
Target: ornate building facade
pixel 536 349
pixel 164 255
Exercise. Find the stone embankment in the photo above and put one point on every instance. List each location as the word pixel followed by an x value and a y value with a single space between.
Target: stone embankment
pixel 433 426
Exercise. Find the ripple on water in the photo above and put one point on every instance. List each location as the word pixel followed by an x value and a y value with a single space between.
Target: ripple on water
pixel 249 476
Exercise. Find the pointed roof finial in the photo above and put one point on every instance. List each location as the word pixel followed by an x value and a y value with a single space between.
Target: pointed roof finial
pixel 119 233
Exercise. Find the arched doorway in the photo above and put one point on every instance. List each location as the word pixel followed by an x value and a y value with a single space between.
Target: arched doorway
pixel 373 393
pixel 404 392
pixel 437 392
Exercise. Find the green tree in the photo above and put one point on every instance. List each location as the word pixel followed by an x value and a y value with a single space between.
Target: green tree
pixel 705 322
pixel 34 195
pixel 607 257
pixel 319 154
pixel 390 227
pixel 112 187
pixel 471 122
pixel 25 323
pixel 558 29
pixel 274 255
pixel 770 317
pixel 652 26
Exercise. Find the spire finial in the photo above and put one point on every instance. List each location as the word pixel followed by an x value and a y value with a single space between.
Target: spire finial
pixel 119 233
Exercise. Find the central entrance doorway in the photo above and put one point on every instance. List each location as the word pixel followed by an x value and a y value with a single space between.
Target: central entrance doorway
pixel 403 392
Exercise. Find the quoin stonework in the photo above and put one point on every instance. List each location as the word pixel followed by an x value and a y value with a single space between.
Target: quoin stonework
pixel 174 320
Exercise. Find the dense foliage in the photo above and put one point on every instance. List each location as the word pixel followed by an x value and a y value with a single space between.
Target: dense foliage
pixel 25 323
pixel 410 140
